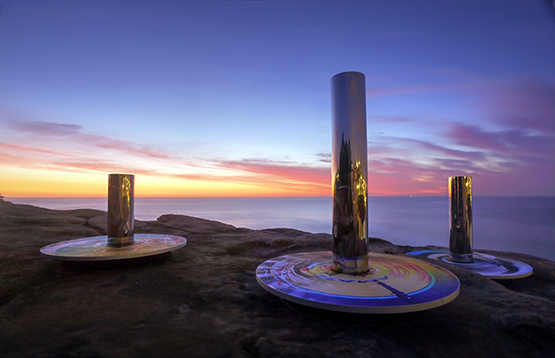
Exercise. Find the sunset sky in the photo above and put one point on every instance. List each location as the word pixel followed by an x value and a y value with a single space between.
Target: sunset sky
pixel 232 98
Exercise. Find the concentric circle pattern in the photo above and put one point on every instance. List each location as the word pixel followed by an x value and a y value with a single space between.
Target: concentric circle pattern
pixel 483 264
pixel 394 284
pixel 96 248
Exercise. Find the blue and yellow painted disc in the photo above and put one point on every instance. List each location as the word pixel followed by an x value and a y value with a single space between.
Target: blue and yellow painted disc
pixel 96 248
pixel 393 284
pixel 483 264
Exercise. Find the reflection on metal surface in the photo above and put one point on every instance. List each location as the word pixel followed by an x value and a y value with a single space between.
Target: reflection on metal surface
pixel 120 209
pixel 460 218
pixel 349 173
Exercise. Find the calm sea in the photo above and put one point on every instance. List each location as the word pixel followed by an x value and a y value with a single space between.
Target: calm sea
pixel 517 224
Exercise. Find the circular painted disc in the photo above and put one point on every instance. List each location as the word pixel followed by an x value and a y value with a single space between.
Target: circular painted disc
pixel 485 265
pixel 96 248
pixel 394 284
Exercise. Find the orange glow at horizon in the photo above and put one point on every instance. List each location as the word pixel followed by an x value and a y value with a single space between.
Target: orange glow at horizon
pixel 21 182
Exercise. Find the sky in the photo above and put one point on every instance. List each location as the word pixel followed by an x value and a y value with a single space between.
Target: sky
pixel 232 98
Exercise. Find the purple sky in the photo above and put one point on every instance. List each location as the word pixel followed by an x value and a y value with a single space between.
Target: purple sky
pixel 198 95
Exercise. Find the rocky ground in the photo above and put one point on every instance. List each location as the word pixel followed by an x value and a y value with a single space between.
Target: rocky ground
pixel 203 300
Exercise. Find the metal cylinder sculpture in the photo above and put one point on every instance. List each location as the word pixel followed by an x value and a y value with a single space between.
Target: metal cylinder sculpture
pixel 460 219
pixel 121 209
pixel 349 173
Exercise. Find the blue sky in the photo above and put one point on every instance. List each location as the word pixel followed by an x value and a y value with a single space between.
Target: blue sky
pixel 219 98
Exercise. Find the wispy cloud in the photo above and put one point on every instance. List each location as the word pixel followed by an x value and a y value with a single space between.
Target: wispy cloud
pixel 324 157
pixel 512 142
pixel 528 103
pixel 431 148
pixel 419 88
pixel 83 152
pixel 123 146
pixel 389 119
pixel 44 128
pixel 295 176
pixel 45 135
pixel 26 148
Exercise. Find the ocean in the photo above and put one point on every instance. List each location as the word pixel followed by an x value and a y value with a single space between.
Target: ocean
pixel 516 224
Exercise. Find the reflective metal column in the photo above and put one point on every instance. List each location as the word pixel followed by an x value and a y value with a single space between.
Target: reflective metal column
pixel 120 209
pixel 460 219
pixel 349 173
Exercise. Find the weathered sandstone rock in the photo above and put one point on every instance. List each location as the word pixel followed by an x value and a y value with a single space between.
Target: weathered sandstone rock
pixel 204 301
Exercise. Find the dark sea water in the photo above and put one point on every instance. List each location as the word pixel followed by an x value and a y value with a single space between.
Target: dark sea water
pixel 516 224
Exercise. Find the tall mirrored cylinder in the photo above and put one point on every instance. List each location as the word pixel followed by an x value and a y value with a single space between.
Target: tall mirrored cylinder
pixel 349 173
pixel 460 218
pixel 121 202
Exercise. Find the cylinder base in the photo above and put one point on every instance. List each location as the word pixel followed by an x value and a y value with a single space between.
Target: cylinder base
pixel 352 265
pixel 461 258
pixel 120 241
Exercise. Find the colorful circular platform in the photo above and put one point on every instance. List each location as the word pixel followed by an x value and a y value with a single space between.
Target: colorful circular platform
pixel 96 248
pixel 483 264
pixel 394 284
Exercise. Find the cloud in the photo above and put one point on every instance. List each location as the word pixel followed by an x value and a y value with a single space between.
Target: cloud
pixel 389 119
pixel 324 157
pixel 42 133
pixel 419 88
pixel 123 146
pixel 504 161
pixel 67 147
pixel 528 103
pixel 511 142
pixel 44 128
pixel 419 150
pixel 467 155
pixel 394 176
pixel 26 148
pixel 279 172
pixel 94 165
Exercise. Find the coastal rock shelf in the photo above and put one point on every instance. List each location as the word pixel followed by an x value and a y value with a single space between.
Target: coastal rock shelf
pixel 205 302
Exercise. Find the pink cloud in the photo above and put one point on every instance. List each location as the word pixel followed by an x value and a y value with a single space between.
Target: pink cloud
pixel 74 136
pixel 527 104
pixel 513 142
pixel 98 166
pixel 467 155
pixel 281 171
pixel 502 162
pixel 123 146
pixel 393 176
pixel 24 148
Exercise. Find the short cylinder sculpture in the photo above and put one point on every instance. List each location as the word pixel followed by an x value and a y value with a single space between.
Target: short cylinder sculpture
pixel 349 173
pixel 120 209
pixel 460 219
